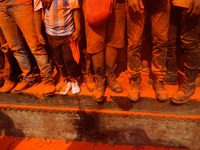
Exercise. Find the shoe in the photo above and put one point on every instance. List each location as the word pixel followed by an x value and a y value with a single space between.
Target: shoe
pixel 183 94
pixel 60 85
pixel 111 80
pixel 75 87
pixel 187 88
pixel 66 88
pixel 161 93
pixel 23 85
pixel 8 86
pixel 134 92
pixel 89 81
pixel 49 88
pixel 98 92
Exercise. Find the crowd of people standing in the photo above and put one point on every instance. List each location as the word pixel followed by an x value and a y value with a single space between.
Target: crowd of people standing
pixel 66 23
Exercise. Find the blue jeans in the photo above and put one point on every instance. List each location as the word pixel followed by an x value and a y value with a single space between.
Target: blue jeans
pixel 11 68
pixel 15 13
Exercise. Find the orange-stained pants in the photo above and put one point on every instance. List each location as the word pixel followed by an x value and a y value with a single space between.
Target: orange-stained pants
pixel 159 11
pixel 111 33
pixel 187 29
pixel 14 14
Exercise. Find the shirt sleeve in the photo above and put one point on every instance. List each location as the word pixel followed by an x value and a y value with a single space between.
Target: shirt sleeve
pixel 74 4
pixel 37 5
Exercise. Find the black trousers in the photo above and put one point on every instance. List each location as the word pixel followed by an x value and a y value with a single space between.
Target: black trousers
pixel 62 54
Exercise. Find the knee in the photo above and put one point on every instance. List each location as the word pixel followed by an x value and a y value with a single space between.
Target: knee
pixel 191 44
pixel 38 50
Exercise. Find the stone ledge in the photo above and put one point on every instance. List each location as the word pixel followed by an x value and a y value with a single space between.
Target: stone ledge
pixel 145 105
pixel 89 125
pixel 117 119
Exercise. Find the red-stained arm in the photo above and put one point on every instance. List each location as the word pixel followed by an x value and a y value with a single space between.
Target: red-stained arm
pixel 77 21
pixel 194 8
pixel 136 5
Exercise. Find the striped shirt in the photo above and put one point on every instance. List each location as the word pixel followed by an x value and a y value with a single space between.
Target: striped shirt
pixel 58 19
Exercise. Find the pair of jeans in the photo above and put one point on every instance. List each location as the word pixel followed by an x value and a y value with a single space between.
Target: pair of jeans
pixel 11 69
pixel 62 54
pixel 185 28
pixel 14 14
pixel 159 12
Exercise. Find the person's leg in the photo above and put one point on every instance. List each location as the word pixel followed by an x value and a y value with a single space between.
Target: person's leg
pixel 19 12
pixel 85 62
pixel 171 76
pixel 71 65
pixel 135 27
pixel 2 62
pixel 160 15
pixel 11 68
pixel 56 51
pixel 86 70
pixel 1 69
pixel 190 41
pixel 95 37
pixel 12 35
pixel 115 40
pixel 98 64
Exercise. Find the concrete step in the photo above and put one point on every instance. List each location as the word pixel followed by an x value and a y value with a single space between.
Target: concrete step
pixel 117 120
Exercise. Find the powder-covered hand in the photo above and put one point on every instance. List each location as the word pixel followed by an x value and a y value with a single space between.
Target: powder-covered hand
pixel 194 8
pixel 76 36
pixel 46 4
pixel 136 5
pixel 41 39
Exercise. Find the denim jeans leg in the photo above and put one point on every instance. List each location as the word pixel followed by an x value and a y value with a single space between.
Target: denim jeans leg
pixel 19 12
pixel 11 33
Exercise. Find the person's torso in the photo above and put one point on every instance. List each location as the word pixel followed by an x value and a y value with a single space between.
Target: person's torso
pixel 59 18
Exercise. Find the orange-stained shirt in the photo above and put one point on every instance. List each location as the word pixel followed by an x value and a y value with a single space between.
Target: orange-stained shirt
pixel 58 19
pixel 181 3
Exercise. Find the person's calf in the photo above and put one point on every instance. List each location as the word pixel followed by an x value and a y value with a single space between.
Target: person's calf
pixel 111 79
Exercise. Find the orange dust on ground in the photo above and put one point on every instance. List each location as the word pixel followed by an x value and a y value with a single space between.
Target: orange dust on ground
pixel 146 90
pixel 18 143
